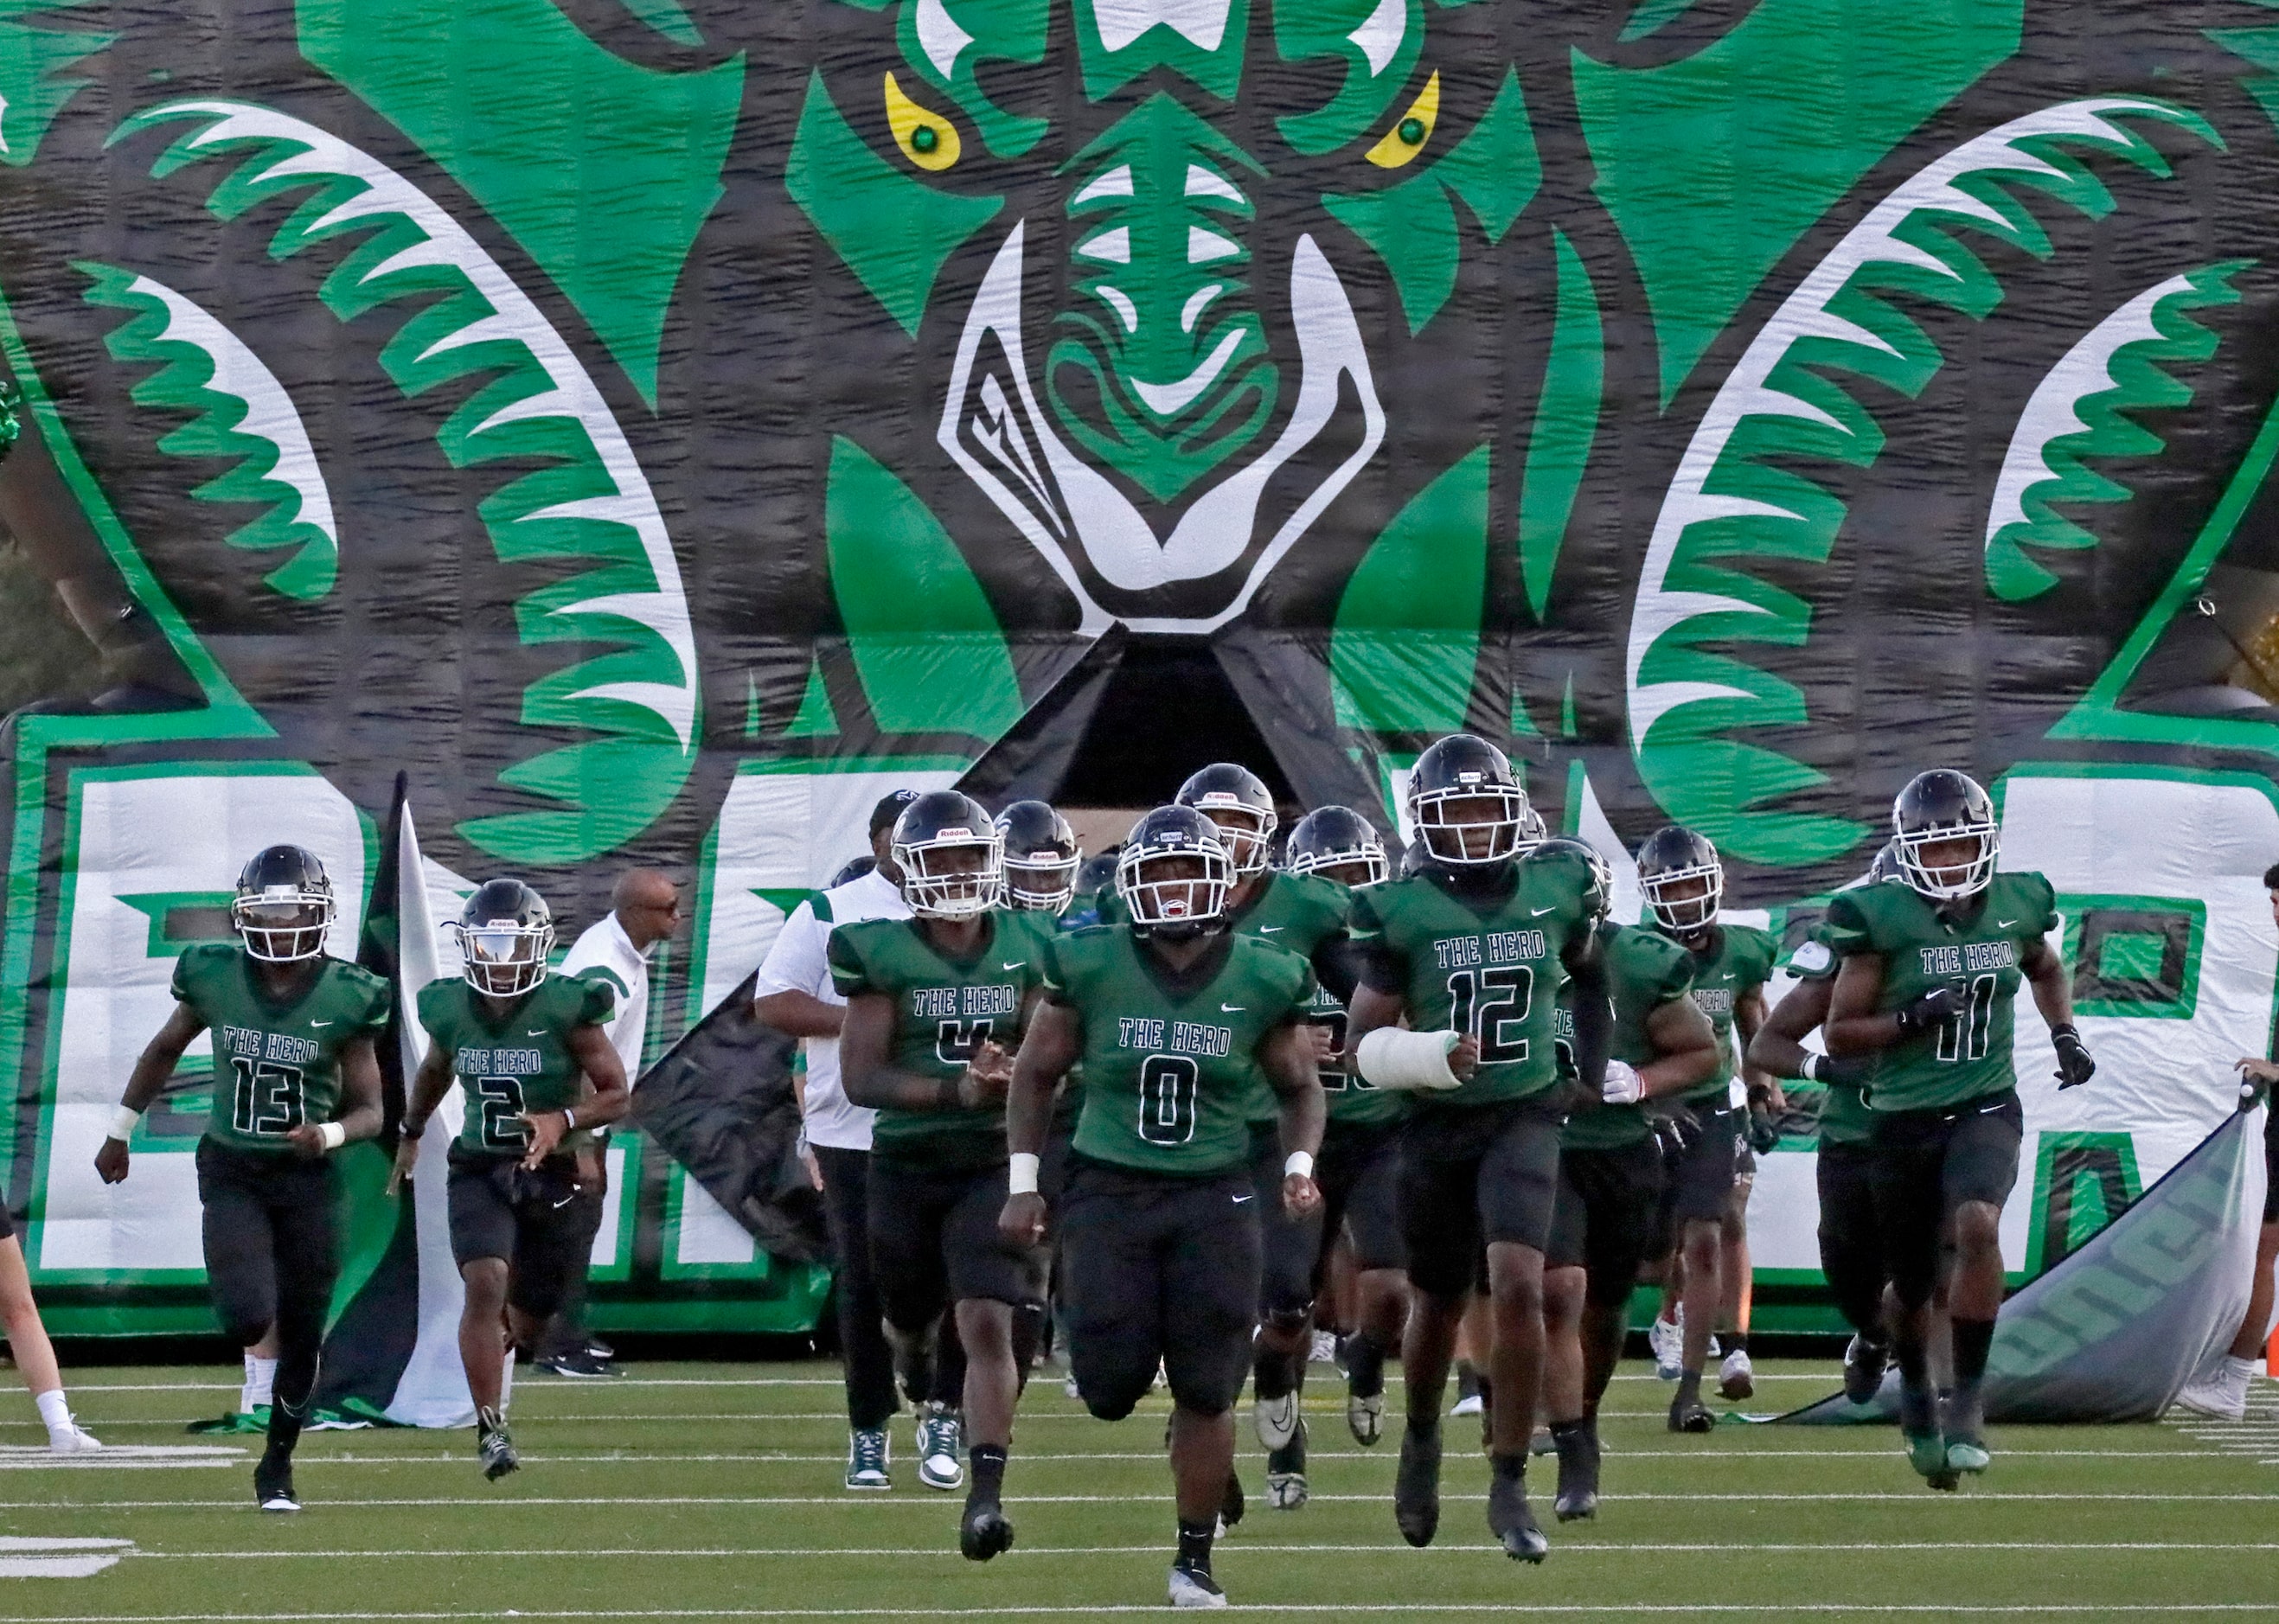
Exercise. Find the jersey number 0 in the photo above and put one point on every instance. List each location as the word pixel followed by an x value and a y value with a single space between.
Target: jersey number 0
pixel 1166 1099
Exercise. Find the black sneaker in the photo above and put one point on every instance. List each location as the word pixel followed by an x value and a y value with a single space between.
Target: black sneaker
pixel 595 1348
pixel 1864 1364
pixel 985 1531
pixel 273 1484
pixel 1579 1473
pixel 494 1446
pixel 1688 1413
pixel 1416 1486
pixel 576 1363
pixel 1512 1521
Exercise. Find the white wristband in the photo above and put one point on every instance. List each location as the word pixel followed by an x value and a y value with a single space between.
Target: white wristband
pixel 1810 1069
pixel 1022 1173
pixel 334 1135
pixel 122 1125
pixel 1392 1058
pixel 1300 1162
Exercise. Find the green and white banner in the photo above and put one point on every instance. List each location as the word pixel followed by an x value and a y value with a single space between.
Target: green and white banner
pixel 657 426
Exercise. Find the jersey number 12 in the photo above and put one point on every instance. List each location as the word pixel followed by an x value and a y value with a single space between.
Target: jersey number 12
pixel 1490 1002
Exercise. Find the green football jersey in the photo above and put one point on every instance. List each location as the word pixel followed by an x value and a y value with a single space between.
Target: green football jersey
pixel 1738 960
pixel 1978 950
pixel 1843 1118
pixel 1645 970
pixel 945 1008
pixel 1171 1062
pixel 275 1066
pixel 1487 965
pixel 513 1060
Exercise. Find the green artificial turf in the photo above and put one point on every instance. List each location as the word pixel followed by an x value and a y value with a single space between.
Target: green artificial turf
pixel 685 1491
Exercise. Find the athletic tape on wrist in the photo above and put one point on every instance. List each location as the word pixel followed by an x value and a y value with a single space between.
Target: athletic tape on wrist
pixel 1811 1063
pixel 1392 1058
pixel 334 1135
pixel 122 1125
pixel 1301 1163
pixel 1022 1172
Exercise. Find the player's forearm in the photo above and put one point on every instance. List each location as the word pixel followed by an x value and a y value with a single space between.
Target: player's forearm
pixel 1369 1008
pixel 152 1068
pixel 364 1111
pixel 1861 1034
pixel 1304 1113
pixel 890 1087
pixel 427 1091
pixel 1674 1073
pixel 603 1107
pixel 2052 991
pixel 800 1014
pixel 1594 1026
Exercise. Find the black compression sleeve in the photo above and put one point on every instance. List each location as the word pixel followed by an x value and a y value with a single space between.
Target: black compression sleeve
pixel 1594 1024
pixel 1338 965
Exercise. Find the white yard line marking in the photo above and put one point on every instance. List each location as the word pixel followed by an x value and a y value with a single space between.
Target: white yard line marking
pixel 39 1557
pixel 1241 1549
pixel 1943 1609
pixel 913 1500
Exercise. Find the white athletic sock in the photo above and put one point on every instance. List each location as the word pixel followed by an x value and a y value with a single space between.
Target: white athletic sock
pixel 506 1383
pixel 260 1383
pixel 54 1411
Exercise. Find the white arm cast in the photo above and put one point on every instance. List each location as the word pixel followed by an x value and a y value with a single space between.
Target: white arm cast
pixel 1392 1058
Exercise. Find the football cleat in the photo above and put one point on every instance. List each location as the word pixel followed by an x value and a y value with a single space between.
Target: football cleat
pixel 1927 1453
pixel 1578 1476
pixel 1737 1378
pixel 493 1447
pixel 1512 1521
pixel 578 1364
pixel 74 1439
pixel 1667 1342
pixel 1276 1421
pixel 1285 1474
pixel 1689 1415
pixel 984 1532
pixel 1365 1418
pixel 1470 1403
pixel 1416 1486
pixel 1193 1586
pixel 2221 1394
pixel 1967 1457
pixel 940 1432
pixel 273 1484
pixel 1864 1364
pixel 866 1459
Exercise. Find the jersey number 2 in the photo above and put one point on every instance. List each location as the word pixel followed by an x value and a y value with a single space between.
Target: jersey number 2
pixel 1166 1099
pixel 1488 1003
pixel 267 1102
pixel 500 1100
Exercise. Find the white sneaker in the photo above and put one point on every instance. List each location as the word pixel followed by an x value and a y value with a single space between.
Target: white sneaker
pixel 2221 1394
pixel 1468 1405
pixel 1667 1338
pixel 940 1434
pixel 1195 1589
pixel 74 1439
pixel 1276 1420
pixel 1737 1378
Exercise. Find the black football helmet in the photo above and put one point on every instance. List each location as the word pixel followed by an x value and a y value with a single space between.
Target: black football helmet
pixel 853 869
pixel 1235 799
pixel 506 931
pixel 1600 899
pixel 1040 856
pixel 1464 770
pixel 1174 873
pixel 1674 860
pixel 1936 808
pixel 1886 866
pixel 948 849
pixel 284 906
pixel 1333 839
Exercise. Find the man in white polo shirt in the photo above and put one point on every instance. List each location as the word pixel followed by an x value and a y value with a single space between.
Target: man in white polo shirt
pixel 644 910
pixel 795 996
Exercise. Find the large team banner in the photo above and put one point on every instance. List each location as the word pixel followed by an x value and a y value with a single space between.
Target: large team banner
pixel 659 426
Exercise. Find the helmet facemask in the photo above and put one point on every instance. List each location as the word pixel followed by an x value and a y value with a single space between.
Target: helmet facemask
pixel 1683 900
pixel 1044 882
pixel 284 924
pixel 1361 866
pixel 954 873
pixel 505 957
pixel 1951 875
pixel 1471 824
pixel 1175 894
pixel 1245 831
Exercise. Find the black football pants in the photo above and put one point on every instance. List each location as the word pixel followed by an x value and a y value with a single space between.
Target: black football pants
pixel 271 1261
pixel 869 1361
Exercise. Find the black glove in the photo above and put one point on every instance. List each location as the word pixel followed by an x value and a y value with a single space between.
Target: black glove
pixel 1764 1131
pixel 1844 1071
pixel 2074 1068
pixel 1674 1125
pixel 1935 1007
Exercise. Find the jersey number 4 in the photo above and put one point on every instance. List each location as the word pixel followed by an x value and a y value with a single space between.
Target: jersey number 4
pixel 1964 1036
pixel 955 1042
pixel 499 1101
pixel 267 1102
pixel 1166 1099
pixel 1491 1004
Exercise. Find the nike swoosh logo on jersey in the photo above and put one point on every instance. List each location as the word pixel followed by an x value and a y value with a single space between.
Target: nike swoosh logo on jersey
pixel 563 1202
pixel 1539 912
pixel 320 1022
pixel 1233 1008
pixel 1015 964
pixel 1240 1199
pixel 1271 929
pixel 2005 923
pixel 1997 1106
pixel 535 1031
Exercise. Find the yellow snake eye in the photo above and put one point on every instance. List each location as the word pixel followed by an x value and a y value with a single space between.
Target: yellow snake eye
pixel 1404 140
pixel 926 139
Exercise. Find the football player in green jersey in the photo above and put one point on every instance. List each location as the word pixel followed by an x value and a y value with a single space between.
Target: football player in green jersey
pixel 1850 1255
pixel 1469 951
pixel 1683 883
pixel 1041 858
pixel 1611 1176
pixel 1176 1020
pixel 528 1051
pixel 295 1078
pixel 1928 988
pixel 1359 1170
pixel 1306 915
pixel 936 1005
